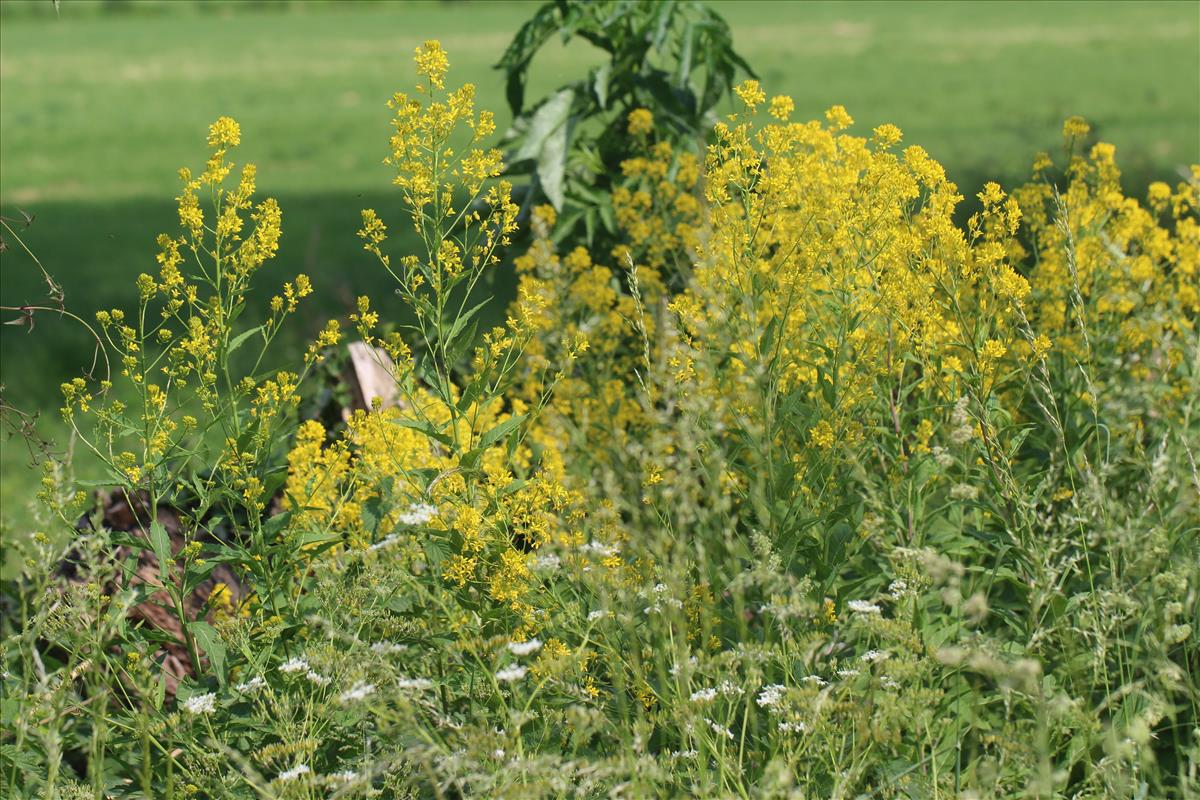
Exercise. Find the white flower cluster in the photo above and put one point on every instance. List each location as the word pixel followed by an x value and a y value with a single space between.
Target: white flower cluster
pixel 863 607
pixel 661 599
pixel 719 729
pixel 252 685
pixel 417 684
pixel 770 695
pixel 692 662
pixel 726 688
pixel 510 674
pixel 546 562
pixel 294 665
pixel 293 773
pixel 317 678
pixel 358 691
pixel 524 648
pixel 964 427
pixel 599 549
pixel 201 704
pixel 385 542
pixel 418 514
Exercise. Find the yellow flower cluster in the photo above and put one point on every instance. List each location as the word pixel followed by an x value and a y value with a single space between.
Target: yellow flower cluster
pixel 788 293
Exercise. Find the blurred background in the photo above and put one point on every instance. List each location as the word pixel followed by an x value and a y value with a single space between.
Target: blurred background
pixel 102 102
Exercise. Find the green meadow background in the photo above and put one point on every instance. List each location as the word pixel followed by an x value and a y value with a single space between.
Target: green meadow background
pixel 101 103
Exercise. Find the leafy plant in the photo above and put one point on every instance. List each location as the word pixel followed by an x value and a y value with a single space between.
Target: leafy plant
pixel 817 494
pixel 675 57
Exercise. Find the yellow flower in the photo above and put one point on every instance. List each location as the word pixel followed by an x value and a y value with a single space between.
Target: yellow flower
pixel 993 350
pixel 1041 346
pixel 225 132
pixel 991 194
pixel 641 122
pixel 839 118
pixel 1075 127
pixel 459 570
pixel 887 135
pixel 781 107
pixel 822 435
pixel 751 94
pixel 432 62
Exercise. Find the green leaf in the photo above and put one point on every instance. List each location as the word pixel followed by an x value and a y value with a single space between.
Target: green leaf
pixel 277 523
pixel 435 551
pixel 529 39
pixel 463 319
pixel 600 77
pixel 210 642
pixel 554 118
pixel 241 338
pixel 471 458
pixel 160 542
pixel 160 691
pixel 426 428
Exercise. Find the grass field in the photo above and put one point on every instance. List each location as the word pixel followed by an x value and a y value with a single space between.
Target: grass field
pixel 98 111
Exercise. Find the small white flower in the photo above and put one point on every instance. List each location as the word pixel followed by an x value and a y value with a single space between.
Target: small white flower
pixel 847 673
pixel 602 550
pixel 964 491
pixel 692 662
pixel 386 541
pixel 293 773
pixel 358 691
pixel 703 695
pixel 547 562
pixel 771 695
pixel 384 648
pixel 510 674
pixel 294 665
pixel 793 727
pixel 685 754
pixel 252 685
pixel 345 776
pixel 815 679
pixel 729 689
pixel 415 683
pixel 524 648
pixel 863 607
pixel 660 588
pixel 888 683
pixel 719 729
pixel 317 678
pixel 418 514
pixel 871 656
pixel 897 588
pixel 201 704
pixel 597 614
pixel 498 753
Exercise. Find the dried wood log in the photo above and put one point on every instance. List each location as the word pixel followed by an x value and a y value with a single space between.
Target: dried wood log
pixel 372 374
